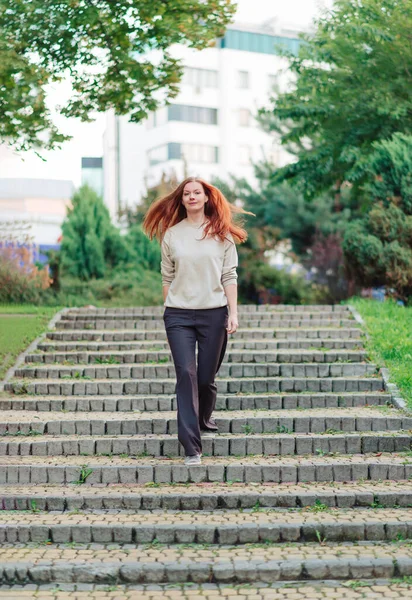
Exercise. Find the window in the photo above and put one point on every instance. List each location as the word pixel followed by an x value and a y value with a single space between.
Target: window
pixel 257 42
pixel 200 153
pixel 200 78
pixel 175 151
pixel 244 117
pixel 273 83
pixel 156 118
pixel 243 80
pixel 192 114
pixel 244 155
pixel 158 155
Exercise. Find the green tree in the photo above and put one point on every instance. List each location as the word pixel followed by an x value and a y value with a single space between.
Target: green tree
pixel 353 81
pixel 91 243
pixel 115 54
pixel 378 248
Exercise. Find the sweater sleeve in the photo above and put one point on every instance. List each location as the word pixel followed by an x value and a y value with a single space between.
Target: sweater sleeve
pixel 230 262
pixel 167 266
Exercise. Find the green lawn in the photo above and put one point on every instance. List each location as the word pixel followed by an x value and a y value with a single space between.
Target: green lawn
pixel 390 343
pixel 19 326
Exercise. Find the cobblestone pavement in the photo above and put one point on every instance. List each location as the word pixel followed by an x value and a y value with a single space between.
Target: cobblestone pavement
pixel 354 590
pixel 305 492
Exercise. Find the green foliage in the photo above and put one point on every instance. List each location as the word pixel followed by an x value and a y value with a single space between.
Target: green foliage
pixel 282 213
pixel 90 242
pixel 115 55
pixel 19 326
pixel 353 83
pixel 132 287
pixel 378 248
pixel 147 251
pixel 20 280
pixel 390 339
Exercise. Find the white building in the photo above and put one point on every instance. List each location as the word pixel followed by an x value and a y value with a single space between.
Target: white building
pixel 35 208
pixel 210 127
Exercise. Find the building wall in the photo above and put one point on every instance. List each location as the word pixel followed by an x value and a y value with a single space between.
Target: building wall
pixel 34 207
pixel 239 145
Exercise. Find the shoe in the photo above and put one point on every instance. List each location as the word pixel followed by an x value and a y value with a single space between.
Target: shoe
pixel 193 460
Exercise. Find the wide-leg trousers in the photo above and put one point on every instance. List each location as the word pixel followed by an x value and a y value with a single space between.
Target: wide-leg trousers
pixel 196 389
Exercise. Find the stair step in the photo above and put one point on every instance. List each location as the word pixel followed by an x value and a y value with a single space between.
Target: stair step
pixel 276 469
pixel 149 346
pixel 242 421
pixel 239 401
pixel 167 445
pixel 291 333
pixel 322 308
pixel 106 387
pixel 243 309
pixel 167 370
pixel 246 323
pixel 223 526
pixel 114 563
pixel 319 496
pixel 159 357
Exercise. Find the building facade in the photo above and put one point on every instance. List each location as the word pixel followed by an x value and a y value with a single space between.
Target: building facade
pixel 210 129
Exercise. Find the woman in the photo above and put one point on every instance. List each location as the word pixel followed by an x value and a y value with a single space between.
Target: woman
pixel 199 259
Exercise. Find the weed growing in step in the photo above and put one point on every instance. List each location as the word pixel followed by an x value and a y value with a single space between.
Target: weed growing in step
pixel 111 360
pixel 85 472
pixel 354 584
pixel 248 429
pixel 318 507
pixel 321 539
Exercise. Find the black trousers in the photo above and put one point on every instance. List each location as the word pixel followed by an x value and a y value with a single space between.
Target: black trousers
pixel 195 385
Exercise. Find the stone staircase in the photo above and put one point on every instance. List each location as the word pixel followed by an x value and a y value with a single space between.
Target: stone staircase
pixel 307 483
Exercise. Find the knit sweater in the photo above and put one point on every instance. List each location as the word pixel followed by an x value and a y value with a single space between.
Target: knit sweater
pixel 197 270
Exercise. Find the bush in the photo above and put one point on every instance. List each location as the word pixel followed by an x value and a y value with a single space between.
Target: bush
pixel 20 280
pixel 137 287
pixel 265 284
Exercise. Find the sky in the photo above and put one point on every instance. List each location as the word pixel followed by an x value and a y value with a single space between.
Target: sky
pixel 87 138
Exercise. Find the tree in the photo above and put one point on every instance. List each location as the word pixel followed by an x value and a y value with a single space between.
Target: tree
pixel 378 248
pixel 115 54
pixel 353 83
pixel 91 243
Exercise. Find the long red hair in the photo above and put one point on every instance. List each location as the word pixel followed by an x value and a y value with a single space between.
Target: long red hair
pixel 169 210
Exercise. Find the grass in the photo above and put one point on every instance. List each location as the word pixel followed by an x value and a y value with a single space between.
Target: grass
pixel 390 328
pixel 19 326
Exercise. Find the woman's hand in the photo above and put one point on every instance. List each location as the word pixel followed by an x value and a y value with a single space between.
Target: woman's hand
pixel 233 324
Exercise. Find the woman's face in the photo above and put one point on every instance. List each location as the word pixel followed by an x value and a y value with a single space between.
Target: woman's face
pixel 194 197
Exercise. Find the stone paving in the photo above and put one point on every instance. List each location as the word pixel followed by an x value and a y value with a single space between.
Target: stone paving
pixel 211 591
pixel 305 492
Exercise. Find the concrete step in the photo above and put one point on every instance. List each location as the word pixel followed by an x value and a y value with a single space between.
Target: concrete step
pixel 223 526
pixel 158 309
pixel 108 387
pixel 268 565
pixel 245 322
pixel 319 496
pixel 166 370
pixel 239 401
pixel 167 445
pixel 266 315
pixel 160 357
pixel 158 333
pixel 148 346
pixel 242 309
pixel 240 421
pixel 23 470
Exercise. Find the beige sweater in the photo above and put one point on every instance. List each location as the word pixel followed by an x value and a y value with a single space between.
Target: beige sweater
pixel 197 270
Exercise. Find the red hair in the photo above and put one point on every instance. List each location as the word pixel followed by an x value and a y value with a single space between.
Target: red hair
pixel 169 210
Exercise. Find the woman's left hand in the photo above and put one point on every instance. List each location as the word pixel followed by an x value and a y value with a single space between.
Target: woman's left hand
pixel 233 324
